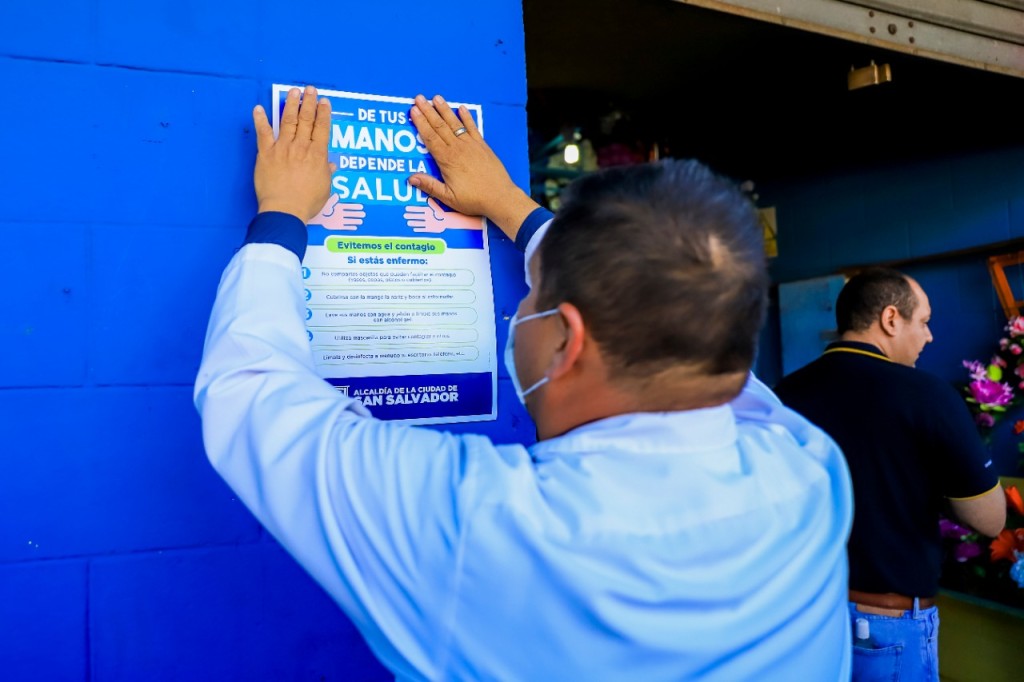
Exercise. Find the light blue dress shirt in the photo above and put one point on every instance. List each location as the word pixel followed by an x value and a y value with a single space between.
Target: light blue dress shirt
pixel 700 545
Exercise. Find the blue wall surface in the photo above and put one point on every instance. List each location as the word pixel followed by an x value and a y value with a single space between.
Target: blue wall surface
pixel 126 187
pixel 904 213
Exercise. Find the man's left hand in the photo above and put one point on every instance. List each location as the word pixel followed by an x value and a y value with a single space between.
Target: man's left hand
pixel 292 173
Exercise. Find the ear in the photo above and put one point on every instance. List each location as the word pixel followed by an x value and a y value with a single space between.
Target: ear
pixel 889 320
pixel 568 354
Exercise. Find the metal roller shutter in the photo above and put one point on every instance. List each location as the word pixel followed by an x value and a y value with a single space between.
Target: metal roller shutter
pixel 984 35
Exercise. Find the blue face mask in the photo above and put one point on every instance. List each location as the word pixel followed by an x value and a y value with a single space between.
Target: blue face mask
pixel 510 359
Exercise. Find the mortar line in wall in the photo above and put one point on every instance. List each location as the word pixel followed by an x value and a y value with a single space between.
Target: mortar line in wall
pixel 94 25
pixel 89 385
pixel 90 287
pixel 89 558
pixel 88 621
pixel 239 225
pixel 496 103
pixel 179 72
pixel 168 384
pixel 45 60
pixel 43 388
pixel 130 67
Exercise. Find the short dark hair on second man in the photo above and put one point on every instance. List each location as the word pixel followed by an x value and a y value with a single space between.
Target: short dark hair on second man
pixel 868 293
pixel 665 262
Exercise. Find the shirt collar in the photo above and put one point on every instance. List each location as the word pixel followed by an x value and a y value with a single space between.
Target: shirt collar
pixel 646 432
pixel 858 348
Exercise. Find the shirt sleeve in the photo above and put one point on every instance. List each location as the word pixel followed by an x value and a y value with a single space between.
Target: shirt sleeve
pixel 368 507
pixel 965 466
pixel 757 403
pixel 275 227
pixel 531 234
pixel 536 222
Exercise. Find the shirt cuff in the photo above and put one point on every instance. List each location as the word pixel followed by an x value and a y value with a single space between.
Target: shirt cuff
pixel 531 225
pixel 283 229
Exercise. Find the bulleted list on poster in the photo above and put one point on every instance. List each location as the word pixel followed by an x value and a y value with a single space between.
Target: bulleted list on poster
pixel 399 300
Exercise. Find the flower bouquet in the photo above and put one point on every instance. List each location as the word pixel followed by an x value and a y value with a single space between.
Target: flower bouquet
pixel 995 387
pixel 1009 544
pixel 996 570
pixel 987 395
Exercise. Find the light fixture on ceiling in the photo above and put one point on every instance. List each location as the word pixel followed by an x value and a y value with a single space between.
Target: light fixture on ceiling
pixel 868 75
pixel 571 153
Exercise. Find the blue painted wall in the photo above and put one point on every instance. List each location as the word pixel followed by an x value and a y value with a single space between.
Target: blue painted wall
pixel 906 212
pixel 125 188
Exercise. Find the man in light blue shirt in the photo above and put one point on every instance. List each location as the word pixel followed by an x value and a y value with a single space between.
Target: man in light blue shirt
pixel 674 522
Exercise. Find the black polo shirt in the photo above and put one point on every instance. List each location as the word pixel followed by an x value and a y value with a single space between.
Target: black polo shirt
pixel 910 441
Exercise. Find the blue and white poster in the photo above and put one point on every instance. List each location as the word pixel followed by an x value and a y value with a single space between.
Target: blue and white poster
pixel 399 299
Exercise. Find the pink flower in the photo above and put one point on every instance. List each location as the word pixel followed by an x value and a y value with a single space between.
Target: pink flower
pixel 988 392
pixel 966 550
pixel 976 370
pixel 1003 343
pixel 1019 371
pixel 1016 327
pixel 984 420
pixel 997 361
pixel 1015 349
pixel 951 530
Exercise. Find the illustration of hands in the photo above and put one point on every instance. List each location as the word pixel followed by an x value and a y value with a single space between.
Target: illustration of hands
pixel 338 216
pixel 434 219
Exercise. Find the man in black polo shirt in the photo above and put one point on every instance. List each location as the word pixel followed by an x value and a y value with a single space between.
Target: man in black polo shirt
pixel 913 451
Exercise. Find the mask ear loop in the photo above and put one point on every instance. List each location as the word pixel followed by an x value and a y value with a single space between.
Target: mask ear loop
pixel 534 316
pixel 540 382
pixel 510 361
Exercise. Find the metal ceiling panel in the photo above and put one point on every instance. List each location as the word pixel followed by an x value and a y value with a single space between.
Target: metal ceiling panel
pixel 983 35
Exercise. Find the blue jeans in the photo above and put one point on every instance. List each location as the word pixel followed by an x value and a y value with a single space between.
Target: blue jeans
pixel 903 649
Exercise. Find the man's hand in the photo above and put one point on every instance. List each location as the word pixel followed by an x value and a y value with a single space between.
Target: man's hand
pixel 475 180
pixel 292 173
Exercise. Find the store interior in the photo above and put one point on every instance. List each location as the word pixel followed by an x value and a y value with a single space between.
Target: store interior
pixel 756 101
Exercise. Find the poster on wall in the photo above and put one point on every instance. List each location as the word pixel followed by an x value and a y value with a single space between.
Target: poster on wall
pixel 399 299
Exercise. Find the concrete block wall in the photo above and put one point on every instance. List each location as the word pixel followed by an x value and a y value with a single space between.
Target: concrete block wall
pixel 125 188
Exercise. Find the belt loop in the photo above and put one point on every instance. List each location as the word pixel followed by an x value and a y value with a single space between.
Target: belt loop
pixel 917 608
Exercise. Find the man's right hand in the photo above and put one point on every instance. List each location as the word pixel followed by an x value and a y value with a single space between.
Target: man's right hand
pixel 475 181
pixel 292 173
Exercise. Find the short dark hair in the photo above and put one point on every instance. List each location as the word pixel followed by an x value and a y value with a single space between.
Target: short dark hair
pixel 870 292
pixel 665 262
